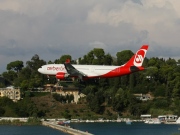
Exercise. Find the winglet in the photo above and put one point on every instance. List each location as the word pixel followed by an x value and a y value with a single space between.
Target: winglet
pixel 67 61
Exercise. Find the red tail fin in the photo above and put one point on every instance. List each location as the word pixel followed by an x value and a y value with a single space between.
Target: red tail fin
pixel 138 58
pixel 67 61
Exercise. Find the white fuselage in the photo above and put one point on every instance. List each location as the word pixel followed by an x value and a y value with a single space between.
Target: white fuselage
pixel 89 70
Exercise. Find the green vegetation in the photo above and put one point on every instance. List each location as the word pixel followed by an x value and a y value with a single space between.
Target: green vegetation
pixel 63 99
pixel 105 97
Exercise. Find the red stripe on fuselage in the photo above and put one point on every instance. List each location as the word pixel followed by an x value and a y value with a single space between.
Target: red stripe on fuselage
pixel 117 72
pixel 120 72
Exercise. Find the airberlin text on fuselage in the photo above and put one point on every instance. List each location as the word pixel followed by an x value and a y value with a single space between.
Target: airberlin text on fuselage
pixel 55 68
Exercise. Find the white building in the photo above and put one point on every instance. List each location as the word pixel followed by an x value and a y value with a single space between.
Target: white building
pixel 70 91
pixel 145 116
pixel 11 93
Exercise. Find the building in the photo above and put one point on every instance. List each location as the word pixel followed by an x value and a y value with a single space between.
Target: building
pixel 145 116
pixel 64 91
pixel 69 91
pixel 13 119
pixel 168 118
pixel 49 87
pixel 11 92
pixel 143 97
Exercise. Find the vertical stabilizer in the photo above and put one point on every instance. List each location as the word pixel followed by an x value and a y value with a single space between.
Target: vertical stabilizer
pixel 138 58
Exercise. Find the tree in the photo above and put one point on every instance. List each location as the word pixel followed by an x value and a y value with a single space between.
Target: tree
pixel 90 57
pixel 119 100
pixel 108 60
pixel 62 59
pixel 24 85
pixel 66 114
pixel 98 56
pixel 35 63
pixel 124 56
pixel 2 111
pixel 10 76
pixel 71 98
pixel 35 79
pixel 95 104
pixel 23 75
pixel 16 66
pixel 136 109
pixel 7 107
pixel 171 62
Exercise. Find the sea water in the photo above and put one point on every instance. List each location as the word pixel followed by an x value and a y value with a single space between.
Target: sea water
pixel 111 128
pixel 121 128
pixel 29 130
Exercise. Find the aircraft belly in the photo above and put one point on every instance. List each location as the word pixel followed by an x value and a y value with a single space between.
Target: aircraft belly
pixel 95 74
pixel 52 73
pixel 91 74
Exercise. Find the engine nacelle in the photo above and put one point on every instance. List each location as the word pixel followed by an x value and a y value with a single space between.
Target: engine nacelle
pixel 135 69
pixel 61 75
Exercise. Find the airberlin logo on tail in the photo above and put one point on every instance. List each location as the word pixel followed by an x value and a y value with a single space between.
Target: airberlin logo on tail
pixel 139 57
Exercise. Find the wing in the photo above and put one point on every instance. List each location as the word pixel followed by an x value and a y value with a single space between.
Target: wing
pixel 72 71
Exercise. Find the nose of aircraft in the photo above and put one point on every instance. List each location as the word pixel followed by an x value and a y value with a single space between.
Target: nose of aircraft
pixel 40 70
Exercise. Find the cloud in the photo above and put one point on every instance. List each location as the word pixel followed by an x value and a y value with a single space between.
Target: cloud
pixel 51 28
pixel 155 16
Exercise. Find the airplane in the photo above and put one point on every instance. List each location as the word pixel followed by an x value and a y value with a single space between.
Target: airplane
pixel 84 72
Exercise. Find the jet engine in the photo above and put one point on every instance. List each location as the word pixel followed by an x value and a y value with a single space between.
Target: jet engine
pixel 135 69
pixel 61 75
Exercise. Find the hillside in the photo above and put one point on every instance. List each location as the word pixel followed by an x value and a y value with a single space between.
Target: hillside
pixel 55 109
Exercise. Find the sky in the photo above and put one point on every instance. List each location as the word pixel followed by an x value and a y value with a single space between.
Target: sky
pixel 52 28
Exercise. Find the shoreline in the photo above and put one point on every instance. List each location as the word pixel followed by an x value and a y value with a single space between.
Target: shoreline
pixel 19 121
pixel 38 121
